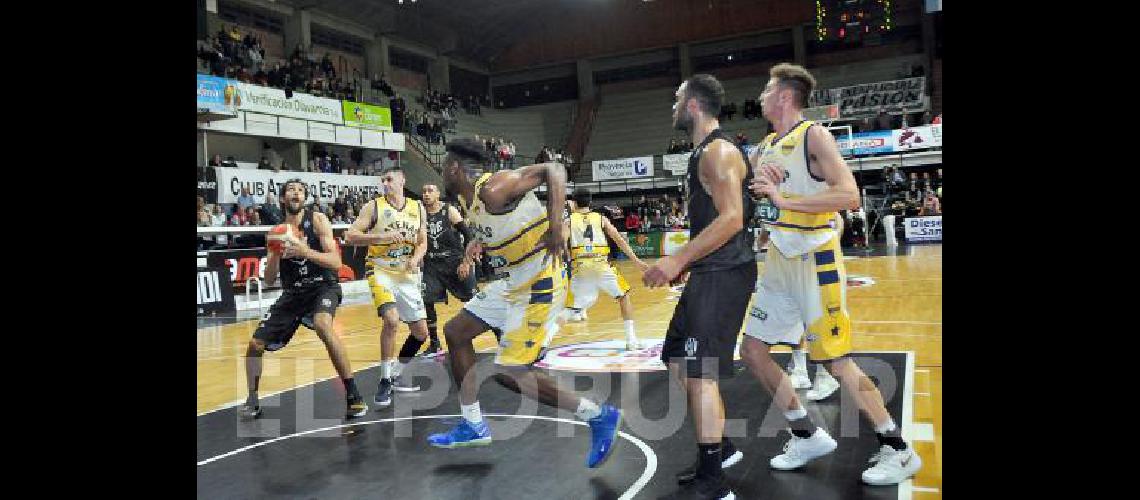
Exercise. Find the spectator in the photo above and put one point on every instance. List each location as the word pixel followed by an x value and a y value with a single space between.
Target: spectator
pixel 672 146
pixel 350 216
pixel 239 217
pixel 271 211
pixel 927 118
pixel 245 199
pixel 203 214
pixel 883 122
pixel 340 206
pixel 264 164
pixel 216 161
pixel 218 219
pixel 937 120
pixel 931 206
pixel 632 221
pixel 254 216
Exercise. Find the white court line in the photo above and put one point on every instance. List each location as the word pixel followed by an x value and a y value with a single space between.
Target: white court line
pixel 925 490
pixel 906 488
pixel 634 489
pixel 922 394
pixel 923 431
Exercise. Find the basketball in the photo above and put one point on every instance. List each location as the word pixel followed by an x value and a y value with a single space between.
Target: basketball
pixel 275 238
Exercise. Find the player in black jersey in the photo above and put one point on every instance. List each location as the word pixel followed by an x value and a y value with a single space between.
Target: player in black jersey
pixel 310 295
pixel 701 338
pixel 446 267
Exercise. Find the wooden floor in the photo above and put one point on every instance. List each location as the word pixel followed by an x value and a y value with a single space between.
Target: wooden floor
pixel 902 311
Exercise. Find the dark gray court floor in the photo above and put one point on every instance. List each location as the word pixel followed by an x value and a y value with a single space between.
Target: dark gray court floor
pixel 375 457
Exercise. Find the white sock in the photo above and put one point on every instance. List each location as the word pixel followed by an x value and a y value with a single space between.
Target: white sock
pixel 471 412
pixel 587 409
pixel 398 367
pixel 799 359
pixel 385 369
pixel 888 426
pixel 795 414
pixel 629 333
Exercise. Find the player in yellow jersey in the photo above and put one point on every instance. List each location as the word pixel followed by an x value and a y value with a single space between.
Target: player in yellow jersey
pixel 395 230
pixel 591 269
pixel 803 181
pixel 524 240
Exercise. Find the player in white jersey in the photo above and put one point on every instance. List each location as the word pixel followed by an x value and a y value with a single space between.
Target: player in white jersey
pixel 803 181
pixel 524 240
pixel 592 271
pixel 395 230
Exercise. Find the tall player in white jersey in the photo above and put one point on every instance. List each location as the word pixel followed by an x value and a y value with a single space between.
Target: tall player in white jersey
pixel 395 230
pixel 804 181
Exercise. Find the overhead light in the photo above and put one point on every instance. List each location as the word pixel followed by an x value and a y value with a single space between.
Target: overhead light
pixel 730 57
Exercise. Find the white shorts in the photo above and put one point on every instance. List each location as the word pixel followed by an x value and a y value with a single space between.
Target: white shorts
pixel 806 293
pixel 524 314
pixel 588 277
pixel 405 290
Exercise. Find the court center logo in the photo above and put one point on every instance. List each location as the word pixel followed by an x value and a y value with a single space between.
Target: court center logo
pixel 604 356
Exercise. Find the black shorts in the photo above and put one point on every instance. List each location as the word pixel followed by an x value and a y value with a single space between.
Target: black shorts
pixel 702 334
pixel 442 277
pixel 294 308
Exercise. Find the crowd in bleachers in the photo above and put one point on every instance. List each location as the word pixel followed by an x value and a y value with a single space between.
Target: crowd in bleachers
pixel 231 54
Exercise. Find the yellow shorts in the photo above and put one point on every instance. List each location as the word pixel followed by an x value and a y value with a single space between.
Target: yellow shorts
pixel 523 312
pixel 803 293
pixel 402 289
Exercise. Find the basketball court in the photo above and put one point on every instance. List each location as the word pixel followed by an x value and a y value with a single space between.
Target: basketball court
pixel 302 446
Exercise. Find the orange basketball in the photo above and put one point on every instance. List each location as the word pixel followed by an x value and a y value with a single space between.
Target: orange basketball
pixel 276 236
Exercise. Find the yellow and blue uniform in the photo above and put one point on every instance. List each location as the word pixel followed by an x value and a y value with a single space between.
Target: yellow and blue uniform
pixel 804 282
pixel 591 269
pixel 529 297
pixel 384 265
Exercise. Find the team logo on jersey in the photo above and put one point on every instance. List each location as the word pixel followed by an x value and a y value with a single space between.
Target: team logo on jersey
pixel 759 314
pixel 387 213
pixel 326 302
pixel 811 337
pixel 306 224
pixel 498 261
pixel 691 347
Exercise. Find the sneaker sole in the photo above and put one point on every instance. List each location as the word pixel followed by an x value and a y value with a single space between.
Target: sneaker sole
pixel 360 413
pixel 834 445
pixel 464 444
pixel 383 404
pixel 892 483
pixel 406 389
pixel 815 396
pixel 617 428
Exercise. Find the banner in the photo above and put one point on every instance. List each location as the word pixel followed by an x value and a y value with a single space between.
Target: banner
pixel 891 141
pixel 367 116
pixel 217 95
pixel 863 143
pixel 678 164
pixel 645 244
pixel 215 293
pixel 915 138
pixel 303 106
pixel 240 264
pixel 672 241
pixel 324 187
pixel 923 228
pixel 869 99
pixel 625 168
